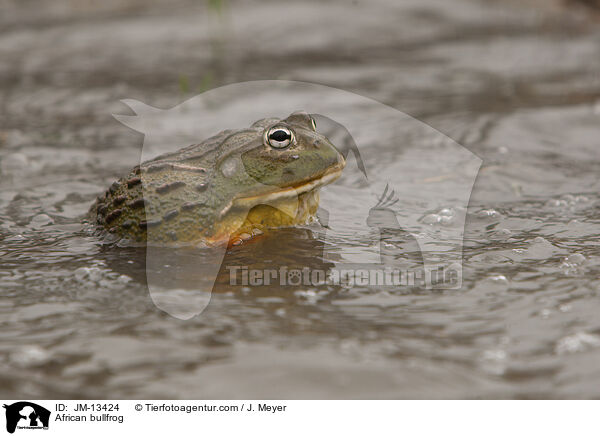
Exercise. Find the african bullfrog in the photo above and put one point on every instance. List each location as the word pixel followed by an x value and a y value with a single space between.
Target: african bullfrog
pixel 226 189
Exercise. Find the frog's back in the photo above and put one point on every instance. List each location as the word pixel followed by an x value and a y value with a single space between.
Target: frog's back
pixel 170 193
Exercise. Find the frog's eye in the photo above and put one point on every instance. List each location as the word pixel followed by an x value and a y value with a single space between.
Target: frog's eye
pixel 313 123
pixel 279 137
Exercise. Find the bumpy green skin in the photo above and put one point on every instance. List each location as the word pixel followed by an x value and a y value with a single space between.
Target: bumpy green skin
pixel 183 196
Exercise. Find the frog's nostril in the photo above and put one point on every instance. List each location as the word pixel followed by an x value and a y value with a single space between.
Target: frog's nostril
pixel 317 144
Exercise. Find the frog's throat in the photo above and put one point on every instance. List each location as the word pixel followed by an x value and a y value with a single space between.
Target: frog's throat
pixel 247 217
pixel 242 224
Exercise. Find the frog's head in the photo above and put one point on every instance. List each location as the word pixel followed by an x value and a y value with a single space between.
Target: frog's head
pixel 292 155
pixel 282 163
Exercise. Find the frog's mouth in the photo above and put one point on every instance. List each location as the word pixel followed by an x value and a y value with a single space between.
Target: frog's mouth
pixel 285 193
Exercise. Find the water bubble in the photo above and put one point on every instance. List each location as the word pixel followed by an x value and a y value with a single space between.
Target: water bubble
pixel 575 259
pixel 88 274
pixel 494 361
pixel 555 203
pixel 498 279
pixel 446 220
pixel 492 285
pixel 310 295
pixel 41 220
pixel 567 201
pixel 489 214
pixel 538 249
pixel 30 355
pixel 445 217
pixel 431 219
pixel 564 308
pixel 580 341
pixel 496 282
pixel 123 279
pixel 573 264
pixel 494 354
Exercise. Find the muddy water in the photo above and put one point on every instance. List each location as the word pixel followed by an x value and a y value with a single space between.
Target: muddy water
pixel 518 86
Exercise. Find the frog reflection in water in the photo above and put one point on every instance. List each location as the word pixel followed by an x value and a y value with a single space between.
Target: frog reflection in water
pixel 229 188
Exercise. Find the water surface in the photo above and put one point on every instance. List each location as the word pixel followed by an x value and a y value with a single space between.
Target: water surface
pixel 517 86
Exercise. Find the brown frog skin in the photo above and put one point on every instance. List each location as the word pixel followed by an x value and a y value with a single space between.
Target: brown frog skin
pixel 226 189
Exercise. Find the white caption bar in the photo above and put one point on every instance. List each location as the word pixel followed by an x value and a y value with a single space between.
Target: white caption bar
pixel 300 417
